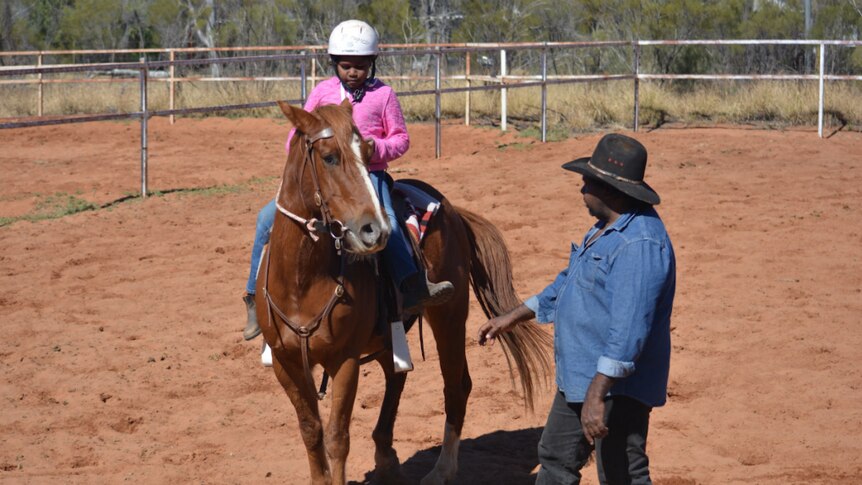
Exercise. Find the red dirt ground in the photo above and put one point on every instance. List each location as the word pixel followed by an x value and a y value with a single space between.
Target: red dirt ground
pixel 122 358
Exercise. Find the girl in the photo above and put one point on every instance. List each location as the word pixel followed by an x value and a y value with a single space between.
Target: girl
pixel 377 113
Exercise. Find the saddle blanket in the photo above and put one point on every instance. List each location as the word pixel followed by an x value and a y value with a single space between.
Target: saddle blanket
pixel 420 208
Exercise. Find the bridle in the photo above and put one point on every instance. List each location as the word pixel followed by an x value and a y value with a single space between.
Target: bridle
pixel 328 222
pixel 336 230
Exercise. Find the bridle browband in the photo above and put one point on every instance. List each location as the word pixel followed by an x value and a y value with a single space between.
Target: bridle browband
pixel 336 230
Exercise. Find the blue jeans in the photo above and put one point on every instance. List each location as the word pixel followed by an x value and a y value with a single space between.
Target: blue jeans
pixel 263 229
pixel 396 255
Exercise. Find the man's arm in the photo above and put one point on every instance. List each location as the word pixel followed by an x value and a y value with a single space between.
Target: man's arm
pixel 636 281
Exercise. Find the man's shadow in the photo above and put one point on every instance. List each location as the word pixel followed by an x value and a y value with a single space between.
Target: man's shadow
pixel 498 458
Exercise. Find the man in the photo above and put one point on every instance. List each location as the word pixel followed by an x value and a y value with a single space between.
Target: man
pixel 611 307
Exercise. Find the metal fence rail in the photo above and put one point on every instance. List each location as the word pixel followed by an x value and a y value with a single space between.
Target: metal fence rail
pixel 307 55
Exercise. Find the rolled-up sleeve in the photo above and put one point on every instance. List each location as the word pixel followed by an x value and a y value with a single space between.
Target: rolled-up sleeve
pixel 635 282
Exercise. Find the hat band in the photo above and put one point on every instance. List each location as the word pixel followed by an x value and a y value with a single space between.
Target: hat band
pixel 613 176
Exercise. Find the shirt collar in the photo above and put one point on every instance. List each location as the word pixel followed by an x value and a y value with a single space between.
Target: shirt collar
pixel 623 221
pixel 619 225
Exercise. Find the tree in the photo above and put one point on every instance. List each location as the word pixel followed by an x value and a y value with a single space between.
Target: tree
pixel 44 18
pixel 393 19
pixel 499 21
pixel 201 17
pixel 167 21
pixel 92 24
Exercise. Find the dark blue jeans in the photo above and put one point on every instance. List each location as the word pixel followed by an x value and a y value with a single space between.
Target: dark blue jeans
pixel 620 456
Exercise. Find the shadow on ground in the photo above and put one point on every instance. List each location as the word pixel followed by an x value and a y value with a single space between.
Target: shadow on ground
pixel 498 458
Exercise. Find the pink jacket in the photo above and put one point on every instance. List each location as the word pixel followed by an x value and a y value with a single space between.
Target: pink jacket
pixel 378 116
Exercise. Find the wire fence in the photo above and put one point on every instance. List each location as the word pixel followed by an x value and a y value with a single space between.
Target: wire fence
pixel 477 67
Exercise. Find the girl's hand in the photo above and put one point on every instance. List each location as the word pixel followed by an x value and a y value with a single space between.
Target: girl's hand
pixel 369 149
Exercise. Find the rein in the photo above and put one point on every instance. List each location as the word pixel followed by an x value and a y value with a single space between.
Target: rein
pixel 336 230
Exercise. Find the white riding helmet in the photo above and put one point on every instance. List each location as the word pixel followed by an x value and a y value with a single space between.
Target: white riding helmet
pixel 353 38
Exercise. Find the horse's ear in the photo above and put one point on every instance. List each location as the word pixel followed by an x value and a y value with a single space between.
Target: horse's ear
pixel 346 104
pixel 301 119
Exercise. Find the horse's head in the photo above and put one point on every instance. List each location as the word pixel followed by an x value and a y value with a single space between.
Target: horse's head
pixel 327 170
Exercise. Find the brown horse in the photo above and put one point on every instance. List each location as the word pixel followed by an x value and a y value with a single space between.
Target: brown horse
pixel 317 295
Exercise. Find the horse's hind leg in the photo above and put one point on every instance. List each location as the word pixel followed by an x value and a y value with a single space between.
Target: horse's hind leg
pixel 304 399
pixel 345 379
pixel 448 324
pixel 387 467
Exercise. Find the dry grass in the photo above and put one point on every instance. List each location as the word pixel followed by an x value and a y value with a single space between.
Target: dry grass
pixel 571 108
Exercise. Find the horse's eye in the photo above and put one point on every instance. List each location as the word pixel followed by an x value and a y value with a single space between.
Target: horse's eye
pixel 330 159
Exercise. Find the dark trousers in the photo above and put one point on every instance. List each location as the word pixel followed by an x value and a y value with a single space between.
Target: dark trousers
pixel 620 456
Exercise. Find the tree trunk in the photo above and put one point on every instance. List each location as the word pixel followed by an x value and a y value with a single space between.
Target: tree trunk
pixel 205 35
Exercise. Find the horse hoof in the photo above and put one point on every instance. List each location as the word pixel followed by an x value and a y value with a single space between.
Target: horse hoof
pixel 433 479
pixel 387 470
pixel 389 477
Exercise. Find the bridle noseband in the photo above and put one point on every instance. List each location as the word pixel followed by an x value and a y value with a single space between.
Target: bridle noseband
pixel 336 230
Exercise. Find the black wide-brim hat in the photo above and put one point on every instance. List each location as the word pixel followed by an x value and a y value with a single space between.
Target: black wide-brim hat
pixel 619 161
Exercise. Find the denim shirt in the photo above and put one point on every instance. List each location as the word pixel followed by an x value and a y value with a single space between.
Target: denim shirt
pixel 611 307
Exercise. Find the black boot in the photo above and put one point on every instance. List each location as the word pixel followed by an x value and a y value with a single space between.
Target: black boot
pixel 418 292
pixel 252 329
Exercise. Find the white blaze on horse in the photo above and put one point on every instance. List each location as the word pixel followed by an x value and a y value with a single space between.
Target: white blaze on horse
pixel 318 289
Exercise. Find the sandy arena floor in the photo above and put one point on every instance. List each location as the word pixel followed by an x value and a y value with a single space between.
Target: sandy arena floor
pixel 122 359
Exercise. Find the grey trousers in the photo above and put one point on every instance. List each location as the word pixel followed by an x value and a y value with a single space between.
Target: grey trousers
pixel 620 456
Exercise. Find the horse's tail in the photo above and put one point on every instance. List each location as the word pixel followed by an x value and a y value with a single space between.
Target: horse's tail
pixel 491 275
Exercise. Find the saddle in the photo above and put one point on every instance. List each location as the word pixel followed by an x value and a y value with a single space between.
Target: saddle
pixel 415 203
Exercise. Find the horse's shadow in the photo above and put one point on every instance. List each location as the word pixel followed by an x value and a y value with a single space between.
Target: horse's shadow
pixel 498 458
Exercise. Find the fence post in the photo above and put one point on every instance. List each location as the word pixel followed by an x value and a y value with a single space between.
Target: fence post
pixel 437 127
pixel 40 99
pixel 144 116
pixel 545 93
pixel 503 114
pixel 313 70
pixel 637 69
pixel 171 85
pixel 820 102
pixel 467 101
pixel 303 77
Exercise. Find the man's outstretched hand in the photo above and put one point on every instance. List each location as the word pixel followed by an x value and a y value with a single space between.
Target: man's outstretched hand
pixel 502 324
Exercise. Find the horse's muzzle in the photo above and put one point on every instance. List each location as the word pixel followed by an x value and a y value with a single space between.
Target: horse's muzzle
pixel 367 236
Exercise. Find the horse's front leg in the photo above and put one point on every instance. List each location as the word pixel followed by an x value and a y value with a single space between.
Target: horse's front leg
pixel 304 399
pixel 345 379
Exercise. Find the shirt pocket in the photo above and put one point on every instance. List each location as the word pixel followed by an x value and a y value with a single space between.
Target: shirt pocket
pixel 592 271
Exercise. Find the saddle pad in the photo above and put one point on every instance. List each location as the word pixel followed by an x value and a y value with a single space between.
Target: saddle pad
pixel 420 208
